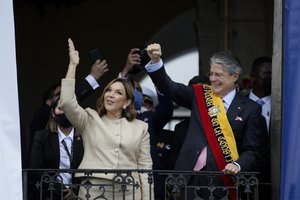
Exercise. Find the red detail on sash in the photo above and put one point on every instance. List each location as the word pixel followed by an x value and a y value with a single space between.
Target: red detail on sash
pixel 211 138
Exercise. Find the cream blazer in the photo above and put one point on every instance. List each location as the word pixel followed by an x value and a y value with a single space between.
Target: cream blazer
pixel 108 144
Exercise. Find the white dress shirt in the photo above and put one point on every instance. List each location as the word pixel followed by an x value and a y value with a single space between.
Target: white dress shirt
pixel 266 107
pixel 92 81
pixel 64 162
pixel 228 98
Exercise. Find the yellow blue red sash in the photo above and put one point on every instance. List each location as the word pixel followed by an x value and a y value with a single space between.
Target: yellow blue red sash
pixel 218 131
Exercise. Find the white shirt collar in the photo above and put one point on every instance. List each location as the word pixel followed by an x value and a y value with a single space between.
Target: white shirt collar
pixel 62 136
pixel 228 98
pixel 266 99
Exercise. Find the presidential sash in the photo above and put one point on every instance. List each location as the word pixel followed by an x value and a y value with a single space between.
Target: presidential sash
pixel 217 129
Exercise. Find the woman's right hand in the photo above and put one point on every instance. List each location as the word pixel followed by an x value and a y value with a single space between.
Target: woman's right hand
pixel 73 53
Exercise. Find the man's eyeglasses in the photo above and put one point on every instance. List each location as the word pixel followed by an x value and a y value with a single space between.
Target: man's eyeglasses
pixel 218 75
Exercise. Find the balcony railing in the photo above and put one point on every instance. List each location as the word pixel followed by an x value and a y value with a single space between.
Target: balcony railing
pixel 46 184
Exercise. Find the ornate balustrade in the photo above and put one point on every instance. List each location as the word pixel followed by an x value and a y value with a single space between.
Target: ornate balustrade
pixel 46 184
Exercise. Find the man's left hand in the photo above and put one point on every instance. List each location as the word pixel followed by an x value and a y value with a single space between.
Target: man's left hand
pixel 231 168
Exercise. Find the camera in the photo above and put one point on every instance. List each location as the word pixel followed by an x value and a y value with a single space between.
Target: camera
pixel 144 61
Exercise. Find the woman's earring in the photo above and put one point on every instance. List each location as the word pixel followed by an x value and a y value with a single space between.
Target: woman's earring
pixel 124 107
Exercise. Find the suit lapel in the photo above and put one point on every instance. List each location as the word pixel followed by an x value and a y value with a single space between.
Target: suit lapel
pixel 55 147
pixel 77 150
pixel 236 107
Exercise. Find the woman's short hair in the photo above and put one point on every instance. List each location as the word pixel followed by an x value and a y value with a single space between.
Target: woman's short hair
pixel 129 112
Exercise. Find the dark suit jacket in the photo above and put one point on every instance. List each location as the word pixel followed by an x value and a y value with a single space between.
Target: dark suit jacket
pixel 156 121
pixel 265 156
pixel 173 140
pixel 46 152
pixel 247 132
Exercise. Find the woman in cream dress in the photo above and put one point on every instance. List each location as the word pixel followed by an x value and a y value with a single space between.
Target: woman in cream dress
pixel 112 137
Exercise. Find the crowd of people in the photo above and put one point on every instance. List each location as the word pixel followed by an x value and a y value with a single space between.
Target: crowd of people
pixel 124 130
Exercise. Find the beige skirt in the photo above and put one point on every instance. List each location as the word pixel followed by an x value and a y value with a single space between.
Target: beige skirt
pixel 103 189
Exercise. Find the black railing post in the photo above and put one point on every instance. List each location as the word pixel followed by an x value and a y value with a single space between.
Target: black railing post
pixel 25 184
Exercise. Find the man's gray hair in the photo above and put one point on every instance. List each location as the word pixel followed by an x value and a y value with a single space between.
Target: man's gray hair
pixel 229 61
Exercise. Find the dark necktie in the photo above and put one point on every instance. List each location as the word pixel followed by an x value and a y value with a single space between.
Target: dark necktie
pixel 70 154
pixel 260 102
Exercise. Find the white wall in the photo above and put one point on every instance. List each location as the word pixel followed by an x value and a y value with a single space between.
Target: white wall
pixel 10 150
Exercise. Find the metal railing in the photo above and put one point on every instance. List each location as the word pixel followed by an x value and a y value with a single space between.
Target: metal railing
pixel 123 184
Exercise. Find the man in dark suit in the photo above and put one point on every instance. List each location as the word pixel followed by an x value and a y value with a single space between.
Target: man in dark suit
pixel 240 115
pixel 171 141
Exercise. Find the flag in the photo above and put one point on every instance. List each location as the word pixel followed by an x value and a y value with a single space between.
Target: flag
pixel 290 162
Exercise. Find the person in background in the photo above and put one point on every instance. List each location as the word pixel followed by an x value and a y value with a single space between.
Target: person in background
pixel 261 93
pixel 83 89
pixel 153 108
pixel 112 136
pixel 59 146
pixel 150 99
pixel 261 85
pixel 41 116
pixel 212 109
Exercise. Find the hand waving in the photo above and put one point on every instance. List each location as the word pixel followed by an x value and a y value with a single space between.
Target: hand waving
pixel 73 53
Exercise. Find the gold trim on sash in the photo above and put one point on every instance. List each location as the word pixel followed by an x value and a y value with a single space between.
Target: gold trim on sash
pixel 220 123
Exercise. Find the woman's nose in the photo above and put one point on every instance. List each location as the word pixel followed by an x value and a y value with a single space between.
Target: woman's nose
pixel 111 94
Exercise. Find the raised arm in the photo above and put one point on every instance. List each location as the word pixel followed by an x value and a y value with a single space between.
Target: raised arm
pixel 74 60
pixel 179 93
pixel 69 104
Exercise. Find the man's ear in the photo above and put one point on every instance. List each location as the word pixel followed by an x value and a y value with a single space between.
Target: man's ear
pixel 236 76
